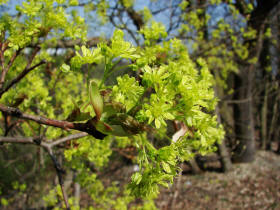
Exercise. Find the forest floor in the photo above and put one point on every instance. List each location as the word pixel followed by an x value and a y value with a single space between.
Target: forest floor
pixel 248 186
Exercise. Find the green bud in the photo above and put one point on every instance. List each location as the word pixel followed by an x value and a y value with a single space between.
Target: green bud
pixel 96 99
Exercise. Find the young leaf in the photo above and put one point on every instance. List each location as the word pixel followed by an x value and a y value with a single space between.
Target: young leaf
pixel 166 167
pixel 137 177
pixel 76 115
pixel 65 68
pixel 96 99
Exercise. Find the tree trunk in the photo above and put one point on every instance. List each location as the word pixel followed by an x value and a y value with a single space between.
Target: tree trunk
pixel 222 148
pixel 277 138
pixel 225 157
pixel 194 166
pixel 243 118
pixel 264 116
pixel 243 111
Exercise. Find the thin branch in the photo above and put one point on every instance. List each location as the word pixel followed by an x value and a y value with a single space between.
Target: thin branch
pixel 20 76
pixel 6 69
pixel 68 138
pixel 43 142
pixel 91 42
pixel 136 18
pixel 123 27
pixel 20 140
pixel 59 172
pixel 48 147
pixel 87 127
pixel 11 126
pixel 240 101
pixel 2 60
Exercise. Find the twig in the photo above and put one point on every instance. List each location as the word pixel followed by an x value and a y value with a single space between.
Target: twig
pixel 59 172
pixel 177 186
pixel 91 42
pixel 47 144
pixel 48 147
pixel 11 126
pixel 68 138
pixel 6 69
pixel 21 140
pixel 26 70
pixel 179 133
pixel 87 127
pixel 2 61
pixel 238 101
pixel 20 76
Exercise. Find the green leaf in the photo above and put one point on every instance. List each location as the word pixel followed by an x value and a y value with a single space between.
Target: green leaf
pixel 165 184
pixel 157 123
pixel 96 99
pixel 169 116
pixel 136 178
pixel 166 167
pixel 65 68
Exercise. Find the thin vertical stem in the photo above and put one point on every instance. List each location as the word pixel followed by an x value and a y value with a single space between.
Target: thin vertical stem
pixel 59 172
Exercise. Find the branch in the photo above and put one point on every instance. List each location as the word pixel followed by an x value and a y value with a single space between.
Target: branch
pixel 48 147
pixel 68 138
pixel 136 18
pixel 91 42
pixel 2 60
pixel 20 140
pixel 19 77
pixel 87 127
pixel 6 69
pixel 26 70
pixel 240 101
pixel 59 172
pixel 43 142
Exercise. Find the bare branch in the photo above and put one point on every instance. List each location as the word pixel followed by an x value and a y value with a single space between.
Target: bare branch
pixel 59 172
pixel 19 77
pixel 6 69
pixel 240 101
pixel 87 127
pixel 68 138
pixel 91 42
pixel 26 70
pixel 20 140
pixel 2 58
pixel 136 18
pixel 43 142
pixel 48 147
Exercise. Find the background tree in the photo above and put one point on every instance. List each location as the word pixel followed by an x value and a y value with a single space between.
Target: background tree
pixel 230 36
pixel 59 58
pixel 55 82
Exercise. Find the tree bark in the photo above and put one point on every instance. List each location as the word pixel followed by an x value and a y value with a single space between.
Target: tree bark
pixel 223 150
pixel 264 117
pixel 243 112
pixel 243 118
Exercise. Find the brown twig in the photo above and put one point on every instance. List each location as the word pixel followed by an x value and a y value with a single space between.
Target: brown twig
pixel 6 69
pixel 68 138
pixel 87 127
pixel 11 126
pixel 43 142
pixel 26 70
pixel 178 134
pixel 20 76
pixel 177 188
pixel 2 61
pixel 48 145
pixel 91 42
pixel 59 172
